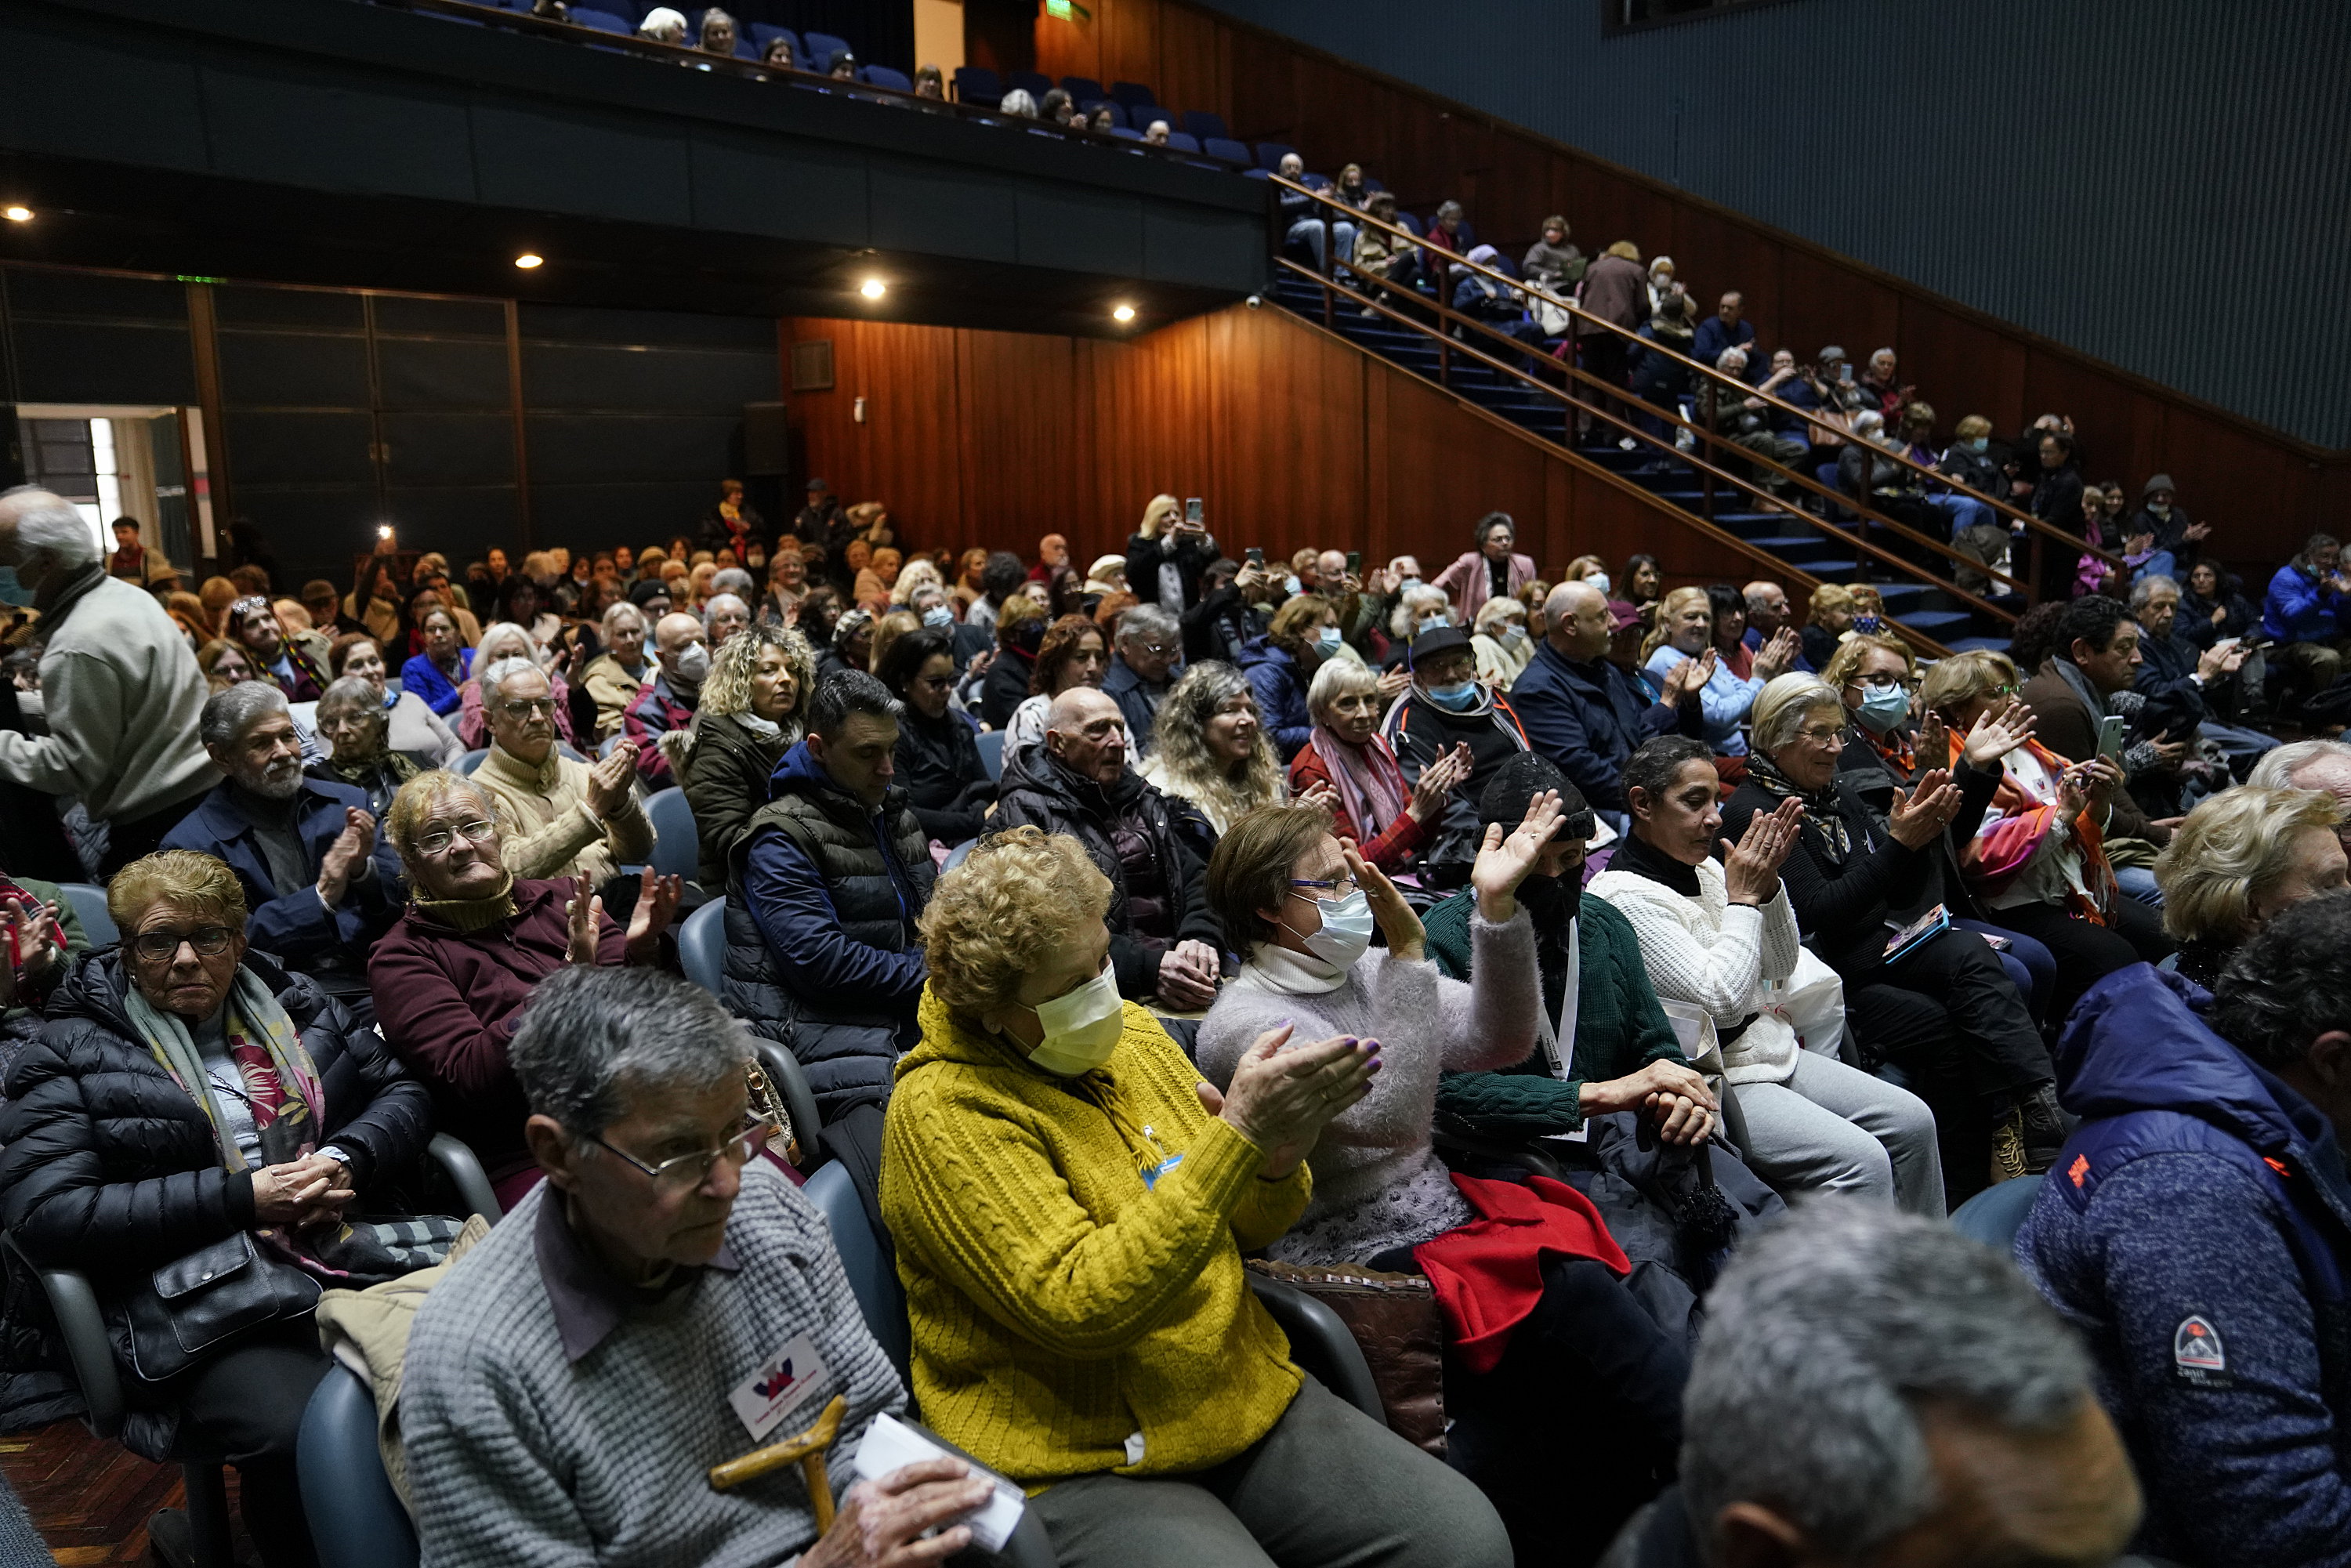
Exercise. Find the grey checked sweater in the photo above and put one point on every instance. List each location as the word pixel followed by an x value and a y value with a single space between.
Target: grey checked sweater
pixel 1378 1183
pixel 521 1460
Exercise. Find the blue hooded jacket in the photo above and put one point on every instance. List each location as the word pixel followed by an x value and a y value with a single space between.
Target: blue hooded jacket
pixel 1280 686
pixel 2197 1230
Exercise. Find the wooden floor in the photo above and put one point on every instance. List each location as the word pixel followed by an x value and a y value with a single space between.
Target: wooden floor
pixel 91 1500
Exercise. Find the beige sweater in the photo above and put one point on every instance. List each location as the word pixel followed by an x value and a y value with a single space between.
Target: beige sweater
pixel 545 825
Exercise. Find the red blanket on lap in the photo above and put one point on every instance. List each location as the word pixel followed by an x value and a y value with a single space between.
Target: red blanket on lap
pixel 1487 1274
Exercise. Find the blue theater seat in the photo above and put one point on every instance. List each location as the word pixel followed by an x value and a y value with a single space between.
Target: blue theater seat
pixel 1206 124
pixel 977 84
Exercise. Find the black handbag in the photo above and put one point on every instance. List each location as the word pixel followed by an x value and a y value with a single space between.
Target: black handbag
pixel 202 1300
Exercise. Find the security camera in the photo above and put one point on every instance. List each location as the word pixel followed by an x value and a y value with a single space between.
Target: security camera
pixel 1255 300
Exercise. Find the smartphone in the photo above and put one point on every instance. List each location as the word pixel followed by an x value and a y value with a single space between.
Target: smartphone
pixel 1355 563
pixel 1255 556
pixel 1844 371
pixel 1192 512
pixel 2110 736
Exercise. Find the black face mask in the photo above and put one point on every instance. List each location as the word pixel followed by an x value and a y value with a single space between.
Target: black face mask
pixel 1553 901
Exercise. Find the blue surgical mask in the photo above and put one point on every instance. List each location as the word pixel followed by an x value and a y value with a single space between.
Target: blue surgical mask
pixel 1408 585
pixel 1977 443
pixel 1458 698
pixel 1431 622
pixel 1883 708
pixel 1346 931
pixel 1597 582
pixel 1327 640
pixel 938 615
pixel 1513 635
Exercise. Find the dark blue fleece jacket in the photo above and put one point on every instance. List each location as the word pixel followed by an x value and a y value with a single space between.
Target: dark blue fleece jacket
pixel 2197 1230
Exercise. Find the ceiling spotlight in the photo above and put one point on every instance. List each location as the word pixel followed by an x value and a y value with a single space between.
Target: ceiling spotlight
pixel 1124 313
pixel 874 288
pixel 530 260
pixel 16 214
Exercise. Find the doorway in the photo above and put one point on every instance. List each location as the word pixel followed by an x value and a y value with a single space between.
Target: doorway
pixel 113 461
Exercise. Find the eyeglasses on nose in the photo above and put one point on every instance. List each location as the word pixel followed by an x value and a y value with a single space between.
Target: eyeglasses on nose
pixel 1323 891
pixel 525 707
pixel 440 838
pixel 682 1173
pixel 155 946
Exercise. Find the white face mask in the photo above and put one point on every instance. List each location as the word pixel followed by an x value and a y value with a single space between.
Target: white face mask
pixel 1082 1026
pixel 1346 931
pixel 691 663
pixel 1597 582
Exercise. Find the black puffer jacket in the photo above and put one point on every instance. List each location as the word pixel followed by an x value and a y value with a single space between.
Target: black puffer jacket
pixel 1129 831
pixel 723 767
pixel 111 1167
pixel 940 769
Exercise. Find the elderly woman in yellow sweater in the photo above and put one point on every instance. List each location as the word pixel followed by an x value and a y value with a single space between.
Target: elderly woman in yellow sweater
pixel 1070 1203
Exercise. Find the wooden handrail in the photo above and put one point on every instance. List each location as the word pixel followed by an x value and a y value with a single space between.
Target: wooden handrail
pixel 1363 219
pixel 759 71
pixel 1516 350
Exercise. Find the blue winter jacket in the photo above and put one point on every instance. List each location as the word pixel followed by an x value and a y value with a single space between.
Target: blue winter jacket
pixel 294 926
pixel 2301 609
pixel 1281 688
pixel 2197 1230
pixel 1591 717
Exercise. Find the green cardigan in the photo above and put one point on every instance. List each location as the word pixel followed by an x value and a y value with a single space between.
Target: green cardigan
pixel 1619 1027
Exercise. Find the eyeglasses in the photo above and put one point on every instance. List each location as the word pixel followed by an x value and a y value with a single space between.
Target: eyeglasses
pixel 1818 736
pixel 682 1173
pixel 1882 682
pixel 1340 887
pixel 529 707
pixel 440 838
pixel 156 947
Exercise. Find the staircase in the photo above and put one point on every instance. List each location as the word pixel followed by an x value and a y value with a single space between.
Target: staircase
pixel 1799 548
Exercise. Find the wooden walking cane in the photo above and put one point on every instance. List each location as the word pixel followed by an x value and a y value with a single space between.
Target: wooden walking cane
pixel 807 1450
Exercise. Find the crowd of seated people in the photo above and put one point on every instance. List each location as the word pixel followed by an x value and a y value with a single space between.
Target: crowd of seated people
pixel 1136 928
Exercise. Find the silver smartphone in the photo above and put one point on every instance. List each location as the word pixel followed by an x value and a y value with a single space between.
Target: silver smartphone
pixel 2110 737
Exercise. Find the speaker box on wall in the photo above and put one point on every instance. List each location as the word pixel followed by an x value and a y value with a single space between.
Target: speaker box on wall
pixel 767 439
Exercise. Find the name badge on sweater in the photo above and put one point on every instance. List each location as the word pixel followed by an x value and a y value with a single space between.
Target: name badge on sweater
pixel 782 1385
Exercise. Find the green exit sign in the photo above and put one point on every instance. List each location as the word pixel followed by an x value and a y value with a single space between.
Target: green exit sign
pixel 1067 11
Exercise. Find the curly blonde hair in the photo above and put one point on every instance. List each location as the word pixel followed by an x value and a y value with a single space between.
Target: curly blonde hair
pixel 415 802
pixel 1845 663
pixel 1180 762
pixel 184 879
pixel 728 688
pixel 1019 897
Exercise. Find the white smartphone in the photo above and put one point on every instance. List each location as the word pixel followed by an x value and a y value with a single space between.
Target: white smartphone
pixel 2110 736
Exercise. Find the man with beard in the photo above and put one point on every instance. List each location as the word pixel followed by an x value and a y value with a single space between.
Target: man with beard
pixel 253 624
pixel 320 886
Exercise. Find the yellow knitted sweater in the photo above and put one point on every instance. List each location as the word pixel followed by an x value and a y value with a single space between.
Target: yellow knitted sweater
pixel 1058 1305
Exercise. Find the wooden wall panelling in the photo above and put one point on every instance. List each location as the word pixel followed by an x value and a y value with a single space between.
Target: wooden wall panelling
pixel 1024 408
pixel 1288 438
pixel 1448 467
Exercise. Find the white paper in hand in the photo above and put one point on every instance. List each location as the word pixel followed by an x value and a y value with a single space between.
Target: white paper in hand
pixel 890 1444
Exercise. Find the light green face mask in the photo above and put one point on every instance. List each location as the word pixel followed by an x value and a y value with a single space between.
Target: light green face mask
pixel 1082 1026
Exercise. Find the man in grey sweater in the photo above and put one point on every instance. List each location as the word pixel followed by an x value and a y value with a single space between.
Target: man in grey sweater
pixel 118 683
pixel 662 1303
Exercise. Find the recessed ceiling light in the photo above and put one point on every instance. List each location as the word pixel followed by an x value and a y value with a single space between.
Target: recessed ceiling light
pixel 1124 313
pixel 874 288
pixel 16 214
pixel 530 260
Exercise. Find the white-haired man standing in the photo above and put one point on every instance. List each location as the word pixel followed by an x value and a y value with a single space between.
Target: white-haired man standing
pixel 118 683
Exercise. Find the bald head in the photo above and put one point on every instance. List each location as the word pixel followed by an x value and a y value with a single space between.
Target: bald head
pixel 1767 606
pixel 1577 622
pixel 1085 733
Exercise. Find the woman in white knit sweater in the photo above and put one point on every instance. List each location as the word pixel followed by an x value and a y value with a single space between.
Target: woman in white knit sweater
pixel 1723 938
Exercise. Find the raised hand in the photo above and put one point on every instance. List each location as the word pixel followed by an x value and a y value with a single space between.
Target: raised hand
pixel 1398 923
pixel 346 855
pixel 608 781
pixel 1926 811
pixel 657 900
pixel 1393 683
pixel 582 911
pixel 1324 795
pixel 1751 869
pixel 1996 733
pixel 1437 780
pixel 35 938
pixel 1503 863
pixel 1778 656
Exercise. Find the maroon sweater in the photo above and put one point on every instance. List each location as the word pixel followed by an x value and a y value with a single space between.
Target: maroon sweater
pixel 448 1002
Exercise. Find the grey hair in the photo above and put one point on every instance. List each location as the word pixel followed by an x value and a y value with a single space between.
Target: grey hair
pixel 1868 423
pixel 1889 353
pixel 1824 1337
pixel 1147 622
pixel 2276 770
pixel 502 671
pixel 1722 360
pixel 1019 101
pixel 2145 588
pixel 350 691
pixel 1405 622
pixel 1780 706
pixel 710 607
pixel 51 531
pixel 591 1036
pixel 734 580
pixel 229 715
pixel 1337 678
pixel 1756 602
pixel 620 608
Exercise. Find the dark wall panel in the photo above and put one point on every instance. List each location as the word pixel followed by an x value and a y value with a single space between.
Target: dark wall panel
pixel 574 375
pixel 37 292
pixel 304 309
pixel 426 374
pixel 81 362
pixel 598 517
pixel 448 449
pixel 296 449
pixel 605 447
pixel 398 313
pixel 283 370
